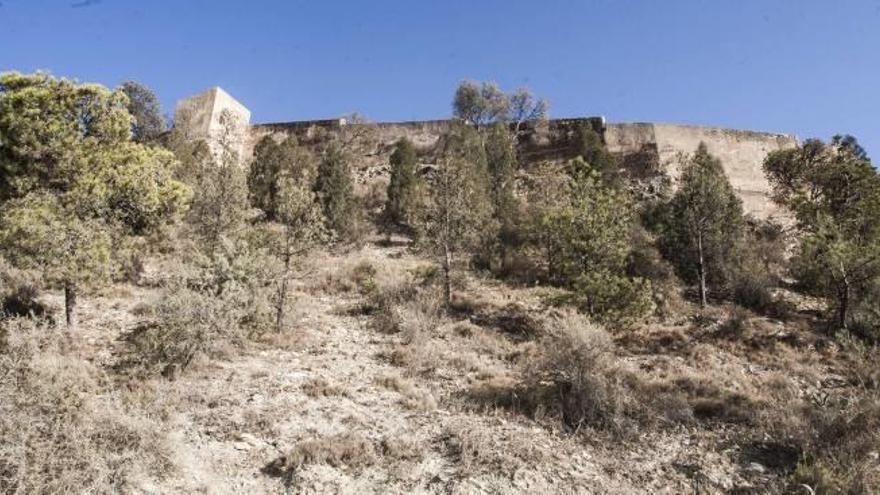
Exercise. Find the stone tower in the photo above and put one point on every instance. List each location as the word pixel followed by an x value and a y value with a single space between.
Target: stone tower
pixel 199 117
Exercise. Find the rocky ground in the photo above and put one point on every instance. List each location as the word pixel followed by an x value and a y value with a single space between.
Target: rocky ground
pixel 338 406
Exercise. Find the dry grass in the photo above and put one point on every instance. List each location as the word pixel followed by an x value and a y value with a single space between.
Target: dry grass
pixel 61 429
pixel 348 451
pixel 401 448
pixel 414 398
pixel 319 387
pixel 345 450
pixel 837 442
pixel 478 448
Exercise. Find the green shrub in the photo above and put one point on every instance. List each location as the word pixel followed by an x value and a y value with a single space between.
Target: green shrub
pixel 614 299
pixel 750 291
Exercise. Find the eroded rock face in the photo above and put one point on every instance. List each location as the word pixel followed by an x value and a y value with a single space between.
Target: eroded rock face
pixel 649 153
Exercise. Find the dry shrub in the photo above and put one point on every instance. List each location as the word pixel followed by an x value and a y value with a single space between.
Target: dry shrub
pixel 342 450
pixel 736 324
pixel 815 478
pixel 398 298
pixel 419 402
pixel 577 358
pixel 465 329
pixel 413 397
pixel 828 448
pixel 349 275
pixel 479 449
pixel 514 320
pixel 840 444
pixel 18 292
pixel 399 355
pixel 487 342
pixel 401 448
pixel 395 383
pixel 466 304
pixel 319 387
pixel 861 368
pixel 415 352
pixel 573 375
pixel 183 325
pixel 751 289
pixel 61 430
pixel 504 391
pixel 709 401
pixel 412 312
pixel 385 306
pixel 363 274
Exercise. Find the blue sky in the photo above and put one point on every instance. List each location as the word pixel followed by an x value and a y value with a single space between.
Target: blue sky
pixel 806 67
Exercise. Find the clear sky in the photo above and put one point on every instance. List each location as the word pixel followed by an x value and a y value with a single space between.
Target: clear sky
pixel 805 67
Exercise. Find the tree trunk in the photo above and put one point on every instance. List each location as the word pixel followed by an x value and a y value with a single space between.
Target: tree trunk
pixel 70 307
pixel 843 301
pixel 447 290
pixel 282 291
pixel 701 269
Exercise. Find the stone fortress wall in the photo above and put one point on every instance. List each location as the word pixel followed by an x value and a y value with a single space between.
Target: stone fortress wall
pixel 646 149
pixel 741 153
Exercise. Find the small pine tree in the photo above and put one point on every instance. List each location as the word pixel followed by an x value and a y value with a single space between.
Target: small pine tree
pixel 587 236
pixel 501 162
pixel 591 148
pixel 147 122
pixel 220 206
pixel 703 224
pixel 457 216
pixel 302 224
pixel 272 163
pixel 335 188
pixel 403 184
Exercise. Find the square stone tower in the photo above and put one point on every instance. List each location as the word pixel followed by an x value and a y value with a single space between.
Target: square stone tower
pixel 199 117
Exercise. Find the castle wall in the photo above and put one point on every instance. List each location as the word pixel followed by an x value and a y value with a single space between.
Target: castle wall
pixel 649 152
pixel 741 153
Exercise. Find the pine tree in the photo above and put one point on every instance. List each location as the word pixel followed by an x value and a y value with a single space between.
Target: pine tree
pixel 220 206
pixel 274 162
pixel 704 223
pixel 501 162
pixel 147 122
pixel 72 184
pixel 302 224
pixel 587 236
pixel 335 188
pixel 591 148
pixel 458 215
pixel 834 192
pixel 404 182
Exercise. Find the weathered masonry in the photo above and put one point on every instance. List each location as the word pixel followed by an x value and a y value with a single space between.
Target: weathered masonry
pixel 646 149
